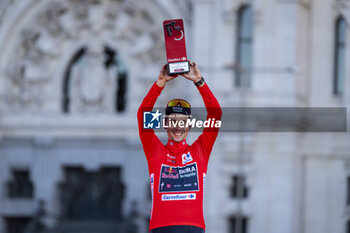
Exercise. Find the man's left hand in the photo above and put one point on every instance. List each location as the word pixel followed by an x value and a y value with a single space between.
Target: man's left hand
pixel 194 74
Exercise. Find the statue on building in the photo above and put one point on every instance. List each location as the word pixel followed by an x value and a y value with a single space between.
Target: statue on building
pixel 28 74
pixel 92 85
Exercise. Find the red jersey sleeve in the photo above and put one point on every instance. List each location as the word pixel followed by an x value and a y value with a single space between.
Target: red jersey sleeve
pixel 207 138
pixel 148 138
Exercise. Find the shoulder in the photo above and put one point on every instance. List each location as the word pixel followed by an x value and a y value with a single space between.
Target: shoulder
pixel 197 146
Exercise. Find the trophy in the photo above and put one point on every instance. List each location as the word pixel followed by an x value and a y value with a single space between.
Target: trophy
pixel 174 35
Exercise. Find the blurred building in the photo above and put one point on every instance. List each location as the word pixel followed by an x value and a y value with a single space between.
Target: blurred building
pixel 73 73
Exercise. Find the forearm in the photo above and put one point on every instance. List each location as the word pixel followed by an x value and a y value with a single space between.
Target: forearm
pixel 150 99
pixel 161 83
pixel 207 139
pixel 147 135
pixel 211 103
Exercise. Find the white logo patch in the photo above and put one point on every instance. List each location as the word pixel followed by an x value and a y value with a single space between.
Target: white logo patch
pixel 176 197
pixel 186 158
pixel 170 156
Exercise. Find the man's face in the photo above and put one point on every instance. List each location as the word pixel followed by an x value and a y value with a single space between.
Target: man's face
pixel 175 132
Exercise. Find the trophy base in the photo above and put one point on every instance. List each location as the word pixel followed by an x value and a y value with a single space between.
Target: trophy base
pixel 178 67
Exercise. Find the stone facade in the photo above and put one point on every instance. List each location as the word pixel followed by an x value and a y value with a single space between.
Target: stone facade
pixel 55 114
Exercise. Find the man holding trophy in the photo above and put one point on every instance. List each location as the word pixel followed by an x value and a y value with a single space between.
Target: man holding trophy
pixel 177 170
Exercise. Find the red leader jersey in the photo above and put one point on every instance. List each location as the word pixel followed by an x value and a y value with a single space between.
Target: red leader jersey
pixel 177 170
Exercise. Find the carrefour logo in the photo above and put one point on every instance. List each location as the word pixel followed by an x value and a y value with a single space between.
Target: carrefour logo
pixel 176 197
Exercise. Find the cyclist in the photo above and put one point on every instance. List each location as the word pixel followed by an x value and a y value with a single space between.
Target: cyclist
pixel 177 170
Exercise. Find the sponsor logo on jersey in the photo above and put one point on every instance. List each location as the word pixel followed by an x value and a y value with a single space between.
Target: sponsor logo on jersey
pixel 171 156
pixel 186 158
pixel 170 161
pixel 170 172
pixel 178 179
pixel 177 197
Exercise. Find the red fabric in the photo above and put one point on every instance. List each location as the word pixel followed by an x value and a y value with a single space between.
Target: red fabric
pixel 169 158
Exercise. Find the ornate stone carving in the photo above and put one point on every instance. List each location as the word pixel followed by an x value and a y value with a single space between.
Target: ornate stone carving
pixel 112 11
pixel 139 31
pixel 185 7
pixel 28 75
pixel 4 5
pixel 51 17
pixel 342 7
pixel 135 28
pixel 92 86
pixel 80 10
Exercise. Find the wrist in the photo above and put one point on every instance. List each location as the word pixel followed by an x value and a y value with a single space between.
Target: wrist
pixel 197 79
pixel 199 82
pixel 161 83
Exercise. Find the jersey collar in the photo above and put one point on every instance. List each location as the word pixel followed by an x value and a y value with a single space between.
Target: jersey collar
pixel 173 144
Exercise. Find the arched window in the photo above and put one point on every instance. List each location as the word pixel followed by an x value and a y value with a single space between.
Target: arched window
pixel 339 56
pixel 88 65
pixel 114 59
pixel 244 46
pixel 66 81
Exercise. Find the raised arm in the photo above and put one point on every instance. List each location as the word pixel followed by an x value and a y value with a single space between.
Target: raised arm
pixel 207 138
pixel 147 136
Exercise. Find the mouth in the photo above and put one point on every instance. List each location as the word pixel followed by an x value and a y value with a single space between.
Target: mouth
pixel 177 132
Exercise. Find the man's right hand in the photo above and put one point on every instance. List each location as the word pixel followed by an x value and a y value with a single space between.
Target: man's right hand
pixel 163 77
